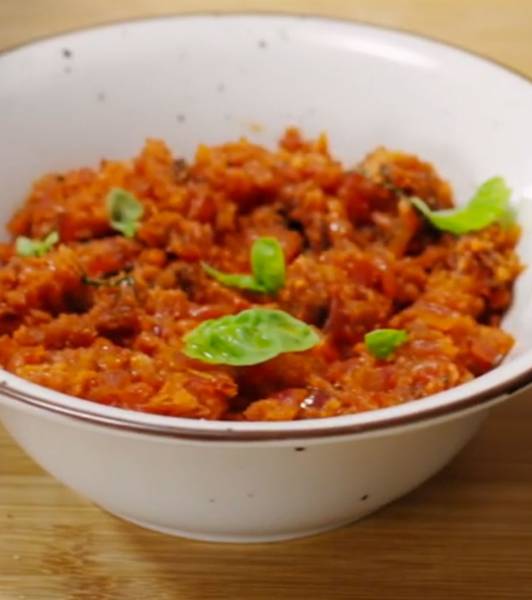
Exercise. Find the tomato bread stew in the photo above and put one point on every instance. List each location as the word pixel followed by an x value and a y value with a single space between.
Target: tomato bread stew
pixel 256 285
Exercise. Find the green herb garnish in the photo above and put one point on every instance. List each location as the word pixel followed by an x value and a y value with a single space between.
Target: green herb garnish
pixel 25 246
pixel 124 211
pixel 267 266
pixel 248 338
pixel 382 342
pixel 243 282
pixel 490 204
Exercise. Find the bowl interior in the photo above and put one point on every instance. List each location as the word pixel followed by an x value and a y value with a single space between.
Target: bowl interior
pixel 71 100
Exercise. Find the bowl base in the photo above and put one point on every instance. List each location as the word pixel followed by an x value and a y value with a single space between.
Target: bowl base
pixel 204 536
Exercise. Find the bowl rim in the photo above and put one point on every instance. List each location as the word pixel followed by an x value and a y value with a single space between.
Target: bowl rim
pixel 130 421
pixel 438 405
pixel 289 15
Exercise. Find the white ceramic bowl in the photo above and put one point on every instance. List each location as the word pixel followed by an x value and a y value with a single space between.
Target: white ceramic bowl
pixel 70 100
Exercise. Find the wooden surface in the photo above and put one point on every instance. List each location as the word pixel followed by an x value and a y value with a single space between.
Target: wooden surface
pixel 467 534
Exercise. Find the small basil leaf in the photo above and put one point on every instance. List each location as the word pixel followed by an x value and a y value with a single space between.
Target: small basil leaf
pixel 382 342
pixel 124 211
pixel 244 282
pixel 51 240
pixel 490 204
pixel 248 338
pixel 25 246
pixel 268 265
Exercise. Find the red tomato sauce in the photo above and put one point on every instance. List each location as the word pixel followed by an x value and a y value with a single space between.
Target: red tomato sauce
pixel 359 257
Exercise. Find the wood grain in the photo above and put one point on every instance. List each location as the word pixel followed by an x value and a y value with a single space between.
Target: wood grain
pixel 466 534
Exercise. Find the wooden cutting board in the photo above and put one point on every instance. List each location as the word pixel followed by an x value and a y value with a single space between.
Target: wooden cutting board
pixel 467 534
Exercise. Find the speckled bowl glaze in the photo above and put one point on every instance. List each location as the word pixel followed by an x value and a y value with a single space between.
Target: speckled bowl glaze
pixel 73 99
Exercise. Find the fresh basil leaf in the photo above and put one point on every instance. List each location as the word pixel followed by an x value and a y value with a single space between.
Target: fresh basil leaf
pixel 124 211
pixel 244 282
pixel 382 342
pixel 268 269
pixel 248 338
pixel 51 240
pixel 25 246
pixel 267 263
pixel 490 204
